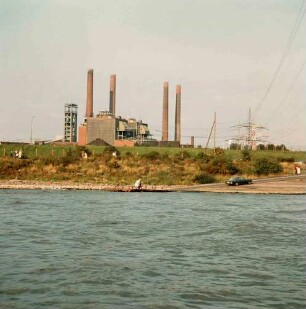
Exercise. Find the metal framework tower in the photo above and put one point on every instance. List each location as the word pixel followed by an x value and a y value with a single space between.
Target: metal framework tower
pixel 71 119
pixel 251 137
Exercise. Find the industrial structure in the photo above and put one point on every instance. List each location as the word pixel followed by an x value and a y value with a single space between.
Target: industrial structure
pixel 71 119
pixel 165 112
pixel 250 136
pixel 112 95
pixel 165 142
pixel 177 130
pixel 106 128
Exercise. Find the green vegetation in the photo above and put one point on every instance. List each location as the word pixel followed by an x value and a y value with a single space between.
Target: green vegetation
pixel 156 166
pixel 203 178
pixel 266 166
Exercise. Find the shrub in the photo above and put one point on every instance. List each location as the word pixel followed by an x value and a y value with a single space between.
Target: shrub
pixel 128 154
pixel 181 156
pixel 109 150
pixel 219 151
pixel 246 154
pixel 153 155
pixel 203 178
pixel 289 160
pixel 113 163
pixel 165 156
pixel 81 149
pixel 221 165
pixel 202 157
pixel 266 166
pixel 72 156
pixel 47 161
pixel 231 168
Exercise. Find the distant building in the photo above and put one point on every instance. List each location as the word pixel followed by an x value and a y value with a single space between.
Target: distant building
pixel 71 119
pixel 106 129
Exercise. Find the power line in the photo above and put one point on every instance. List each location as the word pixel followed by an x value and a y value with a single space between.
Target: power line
pixel 288 91
pixel 285 54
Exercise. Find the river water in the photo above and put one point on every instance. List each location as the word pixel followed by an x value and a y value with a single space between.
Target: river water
pixel 91 249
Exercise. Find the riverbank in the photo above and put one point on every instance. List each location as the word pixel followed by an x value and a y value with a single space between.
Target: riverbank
pixel 291 185
pixel 294 185
pixel 48 185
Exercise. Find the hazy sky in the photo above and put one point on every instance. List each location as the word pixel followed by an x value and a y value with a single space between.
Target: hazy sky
pixel 224 53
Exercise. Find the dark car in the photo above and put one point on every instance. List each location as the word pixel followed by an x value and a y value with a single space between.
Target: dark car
pixel 238 180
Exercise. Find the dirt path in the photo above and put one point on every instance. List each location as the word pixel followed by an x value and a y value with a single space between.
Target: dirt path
pixel 275 185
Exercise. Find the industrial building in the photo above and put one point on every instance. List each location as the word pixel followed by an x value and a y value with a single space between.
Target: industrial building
pixel 165 118
pixel 71 119
pixel 106 128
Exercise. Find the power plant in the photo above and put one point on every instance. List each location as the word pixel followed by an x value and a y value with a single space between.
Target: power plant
pixel 106 128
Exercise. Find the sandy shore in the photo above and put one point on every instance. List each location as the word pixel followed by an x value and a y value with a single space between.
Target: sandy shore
pixel 277 185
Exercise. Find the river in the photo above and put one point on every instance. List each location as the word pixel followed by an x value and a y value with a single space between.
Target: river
pixel 93 249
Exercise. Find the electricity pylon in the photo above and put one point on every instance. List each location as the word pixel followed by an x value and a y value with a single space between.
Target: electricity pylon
pixel 250 138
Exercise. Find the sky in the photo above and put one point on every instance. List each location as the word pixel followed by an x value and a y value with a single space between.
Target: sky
pixel 229 56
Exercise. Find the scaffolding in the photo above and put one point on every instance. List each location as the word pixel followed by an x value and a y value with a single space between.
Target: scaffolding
pixel 71 119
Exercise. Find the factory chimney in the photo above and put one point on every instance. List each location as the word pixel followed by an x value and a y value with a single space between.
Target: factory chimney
pixel 89 104
pixel 112 94
pixel 165 112
pixel 177 133
pixel 192 141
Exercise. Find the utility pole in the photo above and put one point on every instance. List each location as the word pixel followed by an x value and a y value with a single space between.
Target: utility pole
pixel 213 129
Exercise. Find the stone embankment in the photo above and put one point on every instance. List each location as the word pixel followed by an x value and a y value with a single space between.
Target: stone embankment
pixel 276 185
pixel 48 185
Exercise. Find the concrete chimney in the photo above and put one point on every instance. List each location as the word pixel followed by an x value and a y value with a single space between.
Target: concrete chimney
pixel 165 112
pixel 177 133
pixel 89 104
pixel 112 95
pixel 192 141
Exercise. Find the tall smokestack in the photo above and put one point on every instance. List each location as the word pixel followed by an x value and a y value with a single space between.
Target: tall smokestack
pixel 89 104
pixel 112 94
pixel 165 112
pixel 177 133
pixel 192 141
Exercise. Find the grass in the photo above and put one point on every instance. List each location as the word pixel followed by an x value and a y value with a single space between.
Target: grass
pixel 156 166
pixel 32 151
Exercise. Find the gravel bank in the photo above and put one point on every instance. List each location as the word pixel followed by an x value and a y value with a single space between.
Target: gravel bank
pixel 292 185
pixel 38 185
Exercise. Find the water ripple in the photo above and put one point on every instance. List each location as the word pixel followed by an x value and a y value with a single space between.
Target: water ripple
pixel 72 249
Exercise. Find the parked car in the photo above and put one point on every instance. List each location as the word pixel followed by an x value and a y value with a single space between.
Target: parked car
pixel 238 180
